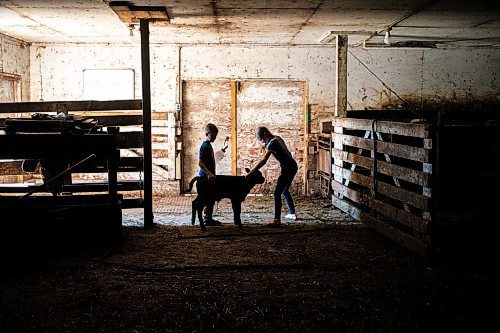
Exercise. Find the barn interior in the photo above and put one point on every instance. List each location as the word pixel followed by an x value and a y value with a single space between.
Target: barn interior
pixel 390 108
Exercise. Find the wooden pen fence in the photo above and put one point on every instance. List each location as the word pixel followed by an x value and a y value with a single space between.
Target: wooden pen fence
pixel 114 117
pixel 381 175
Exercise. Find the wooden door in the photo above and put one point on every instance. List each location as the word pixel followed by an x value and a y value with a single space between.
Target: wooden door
pixel 278 105
pixel 204 102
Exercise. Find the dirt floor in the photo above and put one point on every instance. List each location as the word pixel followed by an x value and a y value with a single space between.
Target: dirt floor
pixel 323 273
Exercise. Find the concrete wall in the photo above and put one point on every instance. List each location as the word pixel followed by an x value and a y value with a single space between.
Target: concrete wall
pixel 418 75
pixel 15 59
pixel 415 74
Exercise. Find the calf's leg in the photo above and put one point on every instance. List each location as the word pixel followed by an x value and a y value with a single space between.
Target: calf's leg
pixel 194 205
pixel 236 204
pixel 199 210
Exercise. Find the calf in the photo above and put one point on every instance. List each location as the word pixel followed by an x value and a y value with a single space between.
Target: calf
pixel 235 188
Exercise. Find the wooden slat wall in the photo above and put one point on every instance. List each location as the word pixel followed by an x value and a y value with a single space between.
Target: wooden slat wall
pixel 395 199
pixel 90 177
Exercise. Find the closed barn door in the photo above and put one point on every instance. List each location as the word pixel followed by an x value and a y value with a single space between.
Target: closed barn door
pixel 237 108
pixel 278 105
pixel 204 102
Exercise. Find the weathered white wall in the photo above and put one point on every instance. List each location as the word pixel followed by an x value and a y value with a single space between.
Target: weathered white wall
pixel 417 74
pixel 57 71
pixel 430 75
pixel 316 66
pixel 15 59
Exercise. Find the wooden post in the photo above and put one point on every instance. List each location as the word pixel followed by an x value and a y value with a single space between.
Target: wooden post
pixel 340 100
pixel 341 79
pixel 146 126
pixel 234 133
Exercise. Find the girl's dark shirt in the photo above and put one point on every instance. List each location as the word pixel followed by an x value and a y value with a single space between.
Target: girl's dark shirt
pixel 279 150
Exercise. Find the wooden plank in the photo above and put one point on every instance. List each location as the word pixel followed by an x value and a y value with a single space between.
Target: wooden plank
pixel 359 152
pixel 117 120
pixel 338 146
pixel 411 198
pixel 128 203
pixel 38 146
pixel 393 170
pixel 132 14
pixel 130 185
pixel 390 127
pixel 341 76
pixel 129 140
pixel 11 168
pixel 388 160
pixel 160 118
pixel 234 129
pixel 413 222
pixel 126 164
pixel 394 149
pixel 62 200
pixel 413 244
pixel 65 106
pixel 146 115
pixel 9 179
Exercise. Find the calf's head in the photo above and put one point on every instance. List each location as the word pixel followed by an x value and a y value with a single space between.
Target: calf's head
pixel 255 178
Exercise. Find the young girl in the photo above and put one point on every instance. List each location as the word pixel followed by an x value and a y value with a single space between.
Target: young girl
pixel 276 146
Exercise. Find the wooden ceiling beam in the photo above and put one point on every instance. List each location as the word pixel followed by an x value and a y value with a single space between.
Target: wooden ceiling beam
pixel 131 14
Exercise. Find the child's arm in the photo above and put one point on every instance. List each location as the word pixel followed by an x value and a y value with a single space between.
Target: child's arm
pixel 205 169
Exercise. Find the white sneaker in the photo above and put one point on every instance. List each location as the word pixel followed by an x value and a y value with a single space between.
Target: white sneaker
pixel 292 217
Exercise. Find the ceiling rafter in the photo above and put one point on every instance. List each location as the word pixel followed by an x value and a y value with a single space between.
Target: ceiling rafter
pixel 131 14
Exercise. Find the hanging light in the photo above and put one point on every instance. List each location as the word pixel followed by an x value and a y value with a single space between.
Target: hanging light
pixel 131 28
pixel 387 38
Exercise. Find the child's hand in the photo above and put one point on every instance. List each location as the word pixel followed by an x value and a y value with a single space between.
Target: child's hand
pixel 211 177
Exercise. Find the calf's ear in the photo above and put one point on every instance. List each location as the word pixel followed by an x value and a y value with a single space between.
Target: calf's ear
pixel 247 170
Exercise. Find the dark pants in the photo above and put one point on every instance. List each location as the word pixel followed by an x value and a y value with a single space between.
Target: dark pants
pixel 282 189
pixel 209 208
pixel 209 211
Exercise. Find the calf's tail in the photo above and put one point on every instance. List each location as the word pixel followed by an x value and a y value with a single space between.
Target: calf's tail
pixel 191 183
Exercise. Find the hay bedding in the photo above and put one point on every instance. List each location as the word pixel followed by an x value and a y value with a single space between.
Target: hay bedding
pixel 324 274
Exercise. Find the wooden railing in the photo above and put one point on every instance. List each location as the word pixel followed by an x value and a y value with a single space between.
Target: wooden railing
pixel 117 117
pixel 382 176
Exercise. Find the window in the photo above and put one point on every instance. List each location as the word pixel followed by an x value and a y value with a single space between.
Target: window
pixel 10 88
pixel 108 84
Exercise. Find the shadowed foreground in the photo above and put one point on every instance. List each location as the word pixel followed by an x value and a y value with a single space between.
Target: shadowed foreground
pixel 300 278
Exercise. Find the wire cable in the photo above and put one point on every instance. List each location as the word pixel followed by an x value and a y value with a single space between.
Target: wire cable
pixel 405 103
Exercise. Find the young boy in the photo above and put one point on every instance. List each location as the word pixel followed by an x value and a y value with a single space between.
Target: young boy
pixel 206 162
pixel 276 146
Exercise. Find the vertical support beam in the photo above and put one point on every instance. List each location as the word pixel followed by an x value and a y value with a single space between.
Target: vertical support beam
pixel 178 123
pixel 337 144
pixel 340 99
pixel 234 135
pixel 341 79
pixel 113 162
pixel 307 130
pixel 146 125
